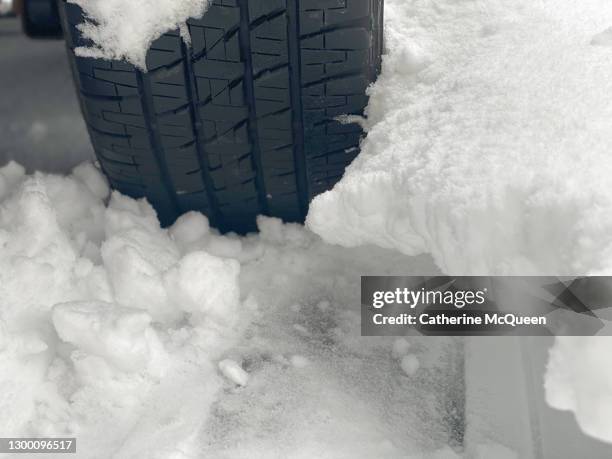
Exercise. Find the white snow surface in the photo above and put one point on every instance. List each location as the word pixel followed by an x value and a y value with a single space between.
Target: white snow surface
pixel 488 140
pixel 579 379
pixel 125 30
pixel 182 343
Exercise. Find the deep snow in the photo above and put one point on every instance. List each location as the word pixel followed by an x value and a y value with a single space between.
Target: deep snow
pixel 488 140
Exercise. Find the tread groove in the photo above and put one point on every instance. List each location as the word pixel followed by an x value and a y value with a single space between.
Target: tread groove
pixel 190 86
pixel 249 89
pixel 295 65
pixel 144 88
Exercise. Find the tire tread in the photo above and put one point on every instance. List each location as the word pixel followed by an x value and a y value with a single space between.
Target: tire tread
pixel 242 122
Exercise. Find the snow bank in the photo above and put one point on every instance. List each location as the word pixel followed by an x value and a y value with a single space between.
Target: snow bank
pixel 122 29
pixel 489 147
pixel 489 140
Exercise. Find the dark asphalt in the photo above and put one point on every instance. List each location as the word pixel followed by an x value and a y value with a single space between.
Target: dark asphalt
pixel 40 121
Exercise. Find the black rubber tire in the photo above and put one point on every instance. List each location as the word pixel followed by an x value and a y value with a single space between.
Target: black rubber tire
pixel 243 122
pixel 40 19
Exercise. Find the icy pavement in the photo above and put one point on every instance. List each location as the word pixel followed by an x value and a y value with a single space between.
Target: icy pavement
pixel 489 140
pixel 144 342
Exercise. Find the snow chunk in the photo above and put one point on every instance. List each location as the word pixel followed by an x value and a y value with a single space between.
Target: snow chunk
pixel 401 346
pixel 126 30
pixel 488 142
pixel 579 379
pixel 410 364
pixel 121 336
pixel 190 228
pixel 93 178
pixel 274 231
pixel 299 361
pixel 205 286
pixel 234 372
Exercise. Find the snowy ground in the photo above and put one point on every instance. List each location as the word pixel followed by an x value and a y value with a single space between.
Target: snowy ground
pixel 182 341
pixel 104 328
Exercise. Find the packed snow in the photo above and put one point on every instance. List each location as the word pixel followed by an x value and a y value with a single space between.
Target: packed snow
pixel 400 348
pixel 125 30
pixel 488 140
pixel 180 342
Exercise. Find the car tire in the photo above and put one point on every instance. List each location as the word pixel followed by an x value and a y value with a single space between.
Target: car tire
pixel 245 121
pixel 40 19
